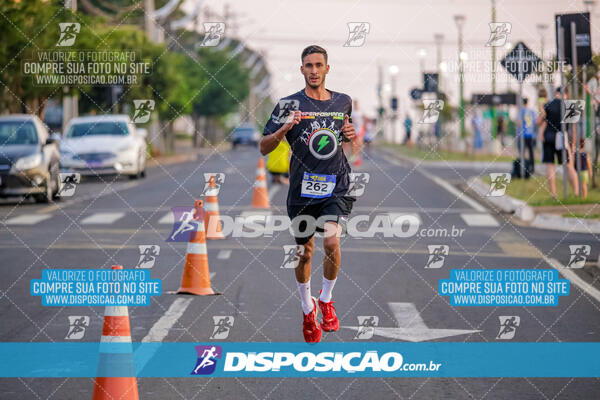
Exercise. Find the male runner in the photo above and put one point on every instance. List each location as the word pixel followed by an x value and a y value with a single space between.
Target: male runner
pixel 319 179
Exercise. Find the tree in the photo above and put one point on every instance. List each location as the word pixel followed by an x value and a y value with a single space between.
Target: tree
pixel 225 91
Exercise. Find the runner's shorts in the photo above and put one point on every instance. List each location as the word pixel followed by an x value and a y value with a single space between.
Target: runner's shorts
pixel 334 209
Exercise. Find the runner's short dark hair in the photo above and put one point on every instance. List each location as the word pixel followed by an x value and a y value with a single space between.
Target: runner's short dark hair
pixel 313 48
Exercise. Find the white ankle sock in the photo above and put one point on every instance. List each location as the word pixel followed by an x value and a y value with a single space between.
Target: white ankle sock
pixel 327 290
pixel 305 298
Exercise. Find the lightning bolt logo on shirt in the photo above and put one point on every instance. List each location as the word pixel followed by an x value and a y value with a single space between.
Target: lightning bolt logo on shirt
pixel 322 142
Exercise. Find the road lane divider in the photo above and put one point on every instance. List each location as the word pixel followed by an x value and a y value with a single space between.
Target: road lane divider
pixel 102 218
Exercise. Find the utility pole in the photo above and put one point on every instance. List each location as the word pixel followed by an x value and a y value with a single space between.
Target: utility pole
pixel 439 38
pixel 542 31
pixel 151 31
pixel 460 21
pixel 70 105
pixel 493 108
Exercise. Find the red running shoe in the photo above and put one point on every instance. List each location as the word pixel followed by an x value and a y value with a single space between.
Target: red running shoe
pixel 310 327
pixel 330 320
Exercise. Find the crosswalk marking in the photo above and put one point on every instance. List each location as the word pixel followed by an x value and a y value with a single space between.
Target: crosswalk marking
pixel 105 218
pixel 479 220
pixel 514 244
pixel 167 219
pixel 102 218
pixel 27 219
pixel 224 254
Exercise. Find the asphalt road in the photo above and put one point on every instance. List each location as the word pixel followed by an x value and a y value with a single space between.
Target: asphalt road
pixel 108 218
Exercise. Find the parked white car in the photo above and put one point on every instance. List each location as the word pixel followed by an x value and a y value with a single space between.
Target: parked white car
pixel 106 144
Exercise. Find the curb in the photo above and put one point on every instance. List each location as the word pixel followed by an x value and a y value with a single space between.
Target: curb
pixel 446 163
pixel 556 222
pixel 525 213
pixel 182 158
pixel 505 203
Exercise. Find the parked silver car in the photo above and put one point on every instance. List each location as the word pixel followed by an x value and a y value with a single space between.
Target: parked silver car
pixel 106 144
pixel 29 158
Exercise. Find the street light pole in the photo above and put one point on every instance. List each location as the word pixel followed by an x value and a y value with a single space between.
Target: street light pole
pixel 542 31
pixel 70 104
pixel 439 38
pixel 493 108
pixel 460 21
pixel 393 72
pixel 590 123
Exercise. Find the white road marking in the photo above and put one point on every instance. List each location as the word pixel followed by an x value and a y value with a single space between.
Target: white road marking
pixel 574 278
pixel 479 220
pixel 27 219
pixel 160 329
pixel 102 218
pixel 412 328
pixel 113 188
pixel 167 219
pixel 461 195
pixel 224 254
pixel 274 189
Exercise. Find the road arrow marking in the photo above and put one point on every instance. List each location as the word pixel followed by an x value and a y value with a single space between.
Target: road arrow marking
pixel 412 327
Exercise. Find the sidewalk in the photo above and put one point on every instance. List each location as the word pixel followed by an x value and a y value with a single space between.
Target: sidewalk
pixel 542 217
pixel 184 152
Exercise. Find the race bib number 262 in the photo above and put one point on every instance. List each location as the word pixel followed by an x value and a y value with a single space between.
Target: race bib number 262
pixel 317 185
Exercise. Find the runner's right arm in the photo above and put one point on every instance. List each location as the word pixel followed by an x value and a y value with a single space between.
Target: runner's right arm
pixel 269 142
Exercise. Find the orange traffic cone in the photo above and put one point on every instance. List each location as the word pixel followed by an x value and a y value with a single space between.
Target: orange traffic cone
pixel 260 199
pixel 113 359
pixel 212 222
pixel 196 278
